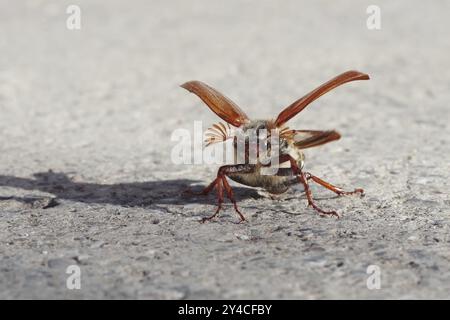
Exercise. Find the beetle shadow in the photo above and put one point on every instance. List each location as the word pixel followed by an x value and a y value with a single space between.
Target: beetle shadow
pixel 133 194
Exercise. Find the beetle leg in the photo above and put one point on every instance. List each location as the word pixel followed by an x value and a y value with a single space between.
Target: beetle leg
pixel 205 191
pixel 331 187
pixel 230 194
pixel 221 183
pixel 303 179
pixel 219 199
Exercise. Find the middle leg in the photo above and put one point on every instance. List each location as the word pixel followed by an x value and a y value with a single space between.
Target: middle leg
pixel 303 179
pixel 329 186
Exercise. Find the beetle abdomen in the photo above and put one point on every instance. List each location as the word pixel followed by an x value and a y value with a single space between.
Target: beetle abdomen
pixel 276 184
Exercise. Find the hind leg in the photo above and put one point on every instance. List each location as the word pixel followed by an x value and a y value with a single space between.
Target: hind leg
pixel 204 192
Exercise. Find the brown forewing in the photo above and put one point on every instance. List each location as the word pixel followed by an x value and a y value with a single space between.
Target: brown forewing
pixel 301 103
pixel 218 103
pixel 303 139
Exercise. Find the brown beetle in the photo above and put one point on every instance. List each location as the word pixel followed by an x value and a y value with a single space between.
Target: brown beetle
pixel 291 143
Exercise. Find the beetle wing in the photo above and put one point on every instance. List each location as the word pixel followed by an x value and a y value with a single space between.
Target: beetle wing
pixel 218 103
pixel 303 139
pixel 301 103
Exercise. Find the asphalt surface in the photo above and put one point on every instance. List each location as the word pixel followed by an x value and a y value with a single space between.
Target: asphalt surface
pixel 87 179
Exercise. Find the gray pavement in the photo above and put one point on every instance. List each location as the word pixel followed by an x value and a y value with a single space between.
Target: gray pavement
pixel 86 177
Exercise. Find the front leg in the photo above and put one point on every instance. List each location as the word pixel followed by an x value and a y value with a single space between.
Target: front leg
pixel 221 183
pixel 219 200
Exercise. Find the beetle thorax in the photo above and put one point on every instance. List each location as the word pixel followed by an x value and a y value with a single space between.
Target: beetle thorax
pixel 256 125
pixel 265 130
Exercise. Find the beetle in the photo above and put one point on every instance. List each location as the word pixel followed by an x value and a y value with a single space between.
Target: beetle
pixel 290 145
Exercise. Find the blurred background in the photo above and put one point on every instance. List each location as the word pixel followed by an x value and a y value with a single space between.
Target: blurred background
pixel 113 84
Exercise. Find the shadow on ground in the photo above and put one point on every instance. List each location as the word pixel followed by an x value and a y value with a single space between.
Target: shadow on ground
pixel 124 194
